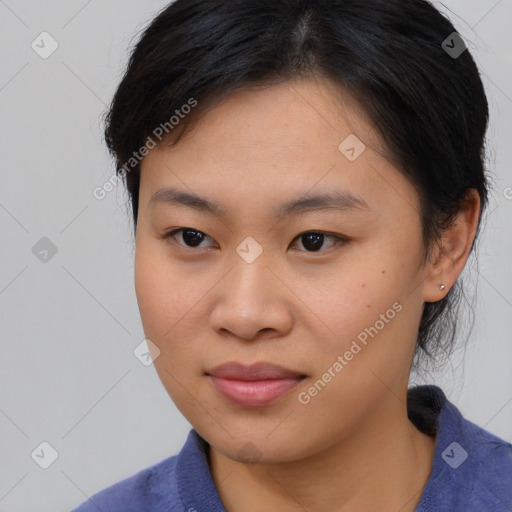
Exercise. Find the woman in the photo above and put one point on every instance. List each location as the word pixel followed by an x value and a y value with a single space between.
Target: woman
pixel 307 182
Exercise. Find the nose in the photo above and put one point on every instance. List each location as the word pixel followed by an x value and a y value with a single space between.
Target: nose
pixel 252 301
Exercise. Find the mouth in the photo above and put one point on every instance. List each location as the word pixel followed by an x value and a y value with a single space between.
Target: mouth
pixel 256 385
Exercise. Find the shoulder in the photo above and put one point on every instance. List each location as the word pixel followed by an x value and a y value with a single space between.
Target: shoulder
pixel 165 486
pixel 472 468
pixel 485 475
pixel 153 488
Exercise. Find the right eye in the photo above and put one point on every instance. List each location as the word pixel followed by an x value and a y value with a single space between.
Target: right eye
pixel 191 237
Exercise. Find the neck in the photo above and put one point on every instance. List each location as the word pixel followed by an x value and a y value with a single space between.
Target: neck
pixel 384 466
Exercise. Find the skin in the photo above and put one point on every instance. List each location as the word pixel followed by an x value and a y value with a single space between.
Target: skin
pixel 352 446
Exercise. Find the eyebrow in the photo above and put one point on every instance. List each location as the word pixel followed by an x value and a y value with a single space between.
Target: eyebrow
pixel 333 200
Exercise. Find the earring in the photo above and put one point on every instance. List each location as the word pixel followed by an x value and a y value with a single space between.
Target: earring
pixel 442 287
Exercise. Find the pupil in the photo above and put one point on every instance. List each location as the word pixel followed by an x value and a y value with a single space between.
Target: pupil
pixel 315 238
pixel 193 240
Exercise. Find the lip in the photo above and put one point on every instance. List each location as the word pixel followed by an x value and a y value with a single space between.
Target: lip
pixel 255 371
pixel 253 386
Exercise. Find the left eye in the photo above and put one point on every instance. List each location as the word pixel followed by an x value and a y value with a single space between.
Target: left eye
pixel 312 241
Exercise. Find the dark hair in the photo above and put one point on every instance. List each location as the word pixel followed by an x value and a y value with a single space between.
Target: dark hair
pixel 427 104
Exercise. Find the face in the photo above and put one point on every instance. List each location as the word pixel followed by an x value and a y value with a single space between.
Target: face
pixel 332 291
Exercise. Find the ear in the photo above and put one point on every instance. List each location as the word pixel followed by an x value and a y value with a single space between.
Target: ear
pixel 453 249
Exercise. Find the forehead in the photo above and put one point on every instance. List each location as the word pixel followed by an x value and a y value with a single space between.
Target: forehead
pixel 284 137
pixel 312 108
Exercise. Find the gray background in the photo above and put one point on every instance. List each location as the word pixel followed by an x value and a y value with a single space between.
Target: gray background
pixel 68 326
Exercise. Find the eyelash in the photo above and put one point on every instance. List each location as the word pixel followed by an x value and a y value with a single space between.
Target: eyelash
pixel 339 239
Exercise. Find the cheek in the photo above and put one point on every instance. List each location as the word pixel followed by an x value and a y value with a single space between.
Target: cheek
pixel 368 317
pixel 170 304
pixel 164 300
pixel 150 291
pixel 164 294
pixel 348 296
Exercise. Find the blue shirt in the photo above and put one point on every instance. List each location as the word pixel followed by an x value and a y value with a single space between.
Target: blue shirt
pixel 471 472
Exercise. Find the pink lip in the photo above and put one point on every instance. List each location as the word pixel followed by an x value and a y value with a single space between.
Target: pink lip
pixel 253 386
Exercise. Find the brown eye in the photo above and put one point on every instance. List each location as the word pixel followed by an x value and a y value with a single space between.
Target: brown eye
pixel 189 237
pixel 313 241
